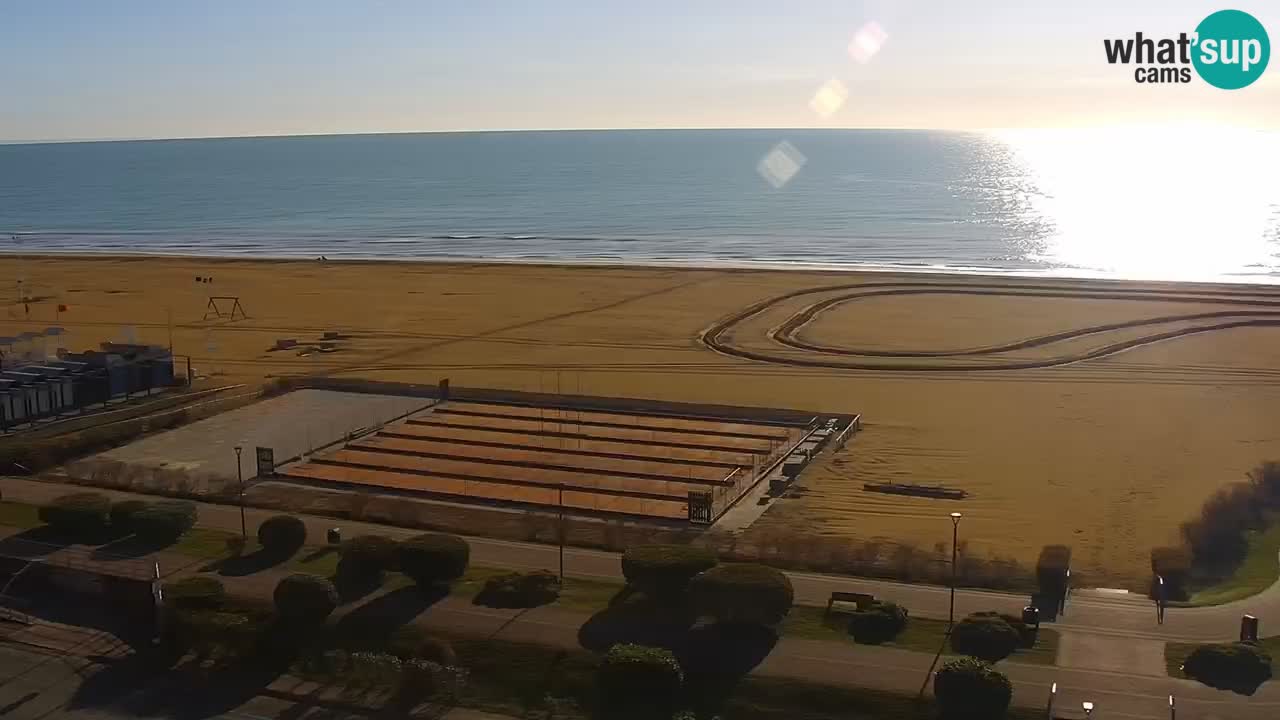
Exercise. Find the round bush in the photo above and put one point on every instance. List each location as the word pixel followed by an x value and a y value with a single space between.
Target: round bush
pixel 520 590
pixel 636 677
pixel 985 637
pixel 305 600
pixel 1238 667
pixel 743 592
pixel 434 558
pixel 877 622
pixel 164 522
pixel 365 557
pixel 664 571
pixel 969 689
pixel 197 592
pixel 77 513
pixel 122 513
pixel 282 535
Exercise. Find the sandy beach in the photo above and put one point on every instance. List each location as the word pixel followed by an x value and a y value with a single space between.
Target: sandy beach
pixel 1105 438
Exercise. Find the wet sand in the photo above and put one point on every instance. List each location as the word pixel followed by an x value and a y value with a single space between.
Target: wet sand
pixel 1107 454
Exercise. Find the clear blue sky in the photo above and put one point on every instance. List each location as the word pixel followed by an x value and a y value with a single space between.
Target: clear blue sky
pixel 77 69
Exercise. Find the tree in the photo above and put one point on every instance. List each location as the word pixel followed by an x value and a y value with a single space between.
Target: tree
pixel 663 572
pixel 985 637
pixel 877 622
pixel 282 535
pixel 122 513
pixel 364 558
pixel 1238 667
pixel 969 689
pixel 433 558
pixel 164 522
pixel 640 681
pixel 742 592
pixel 77 514
pixel 305 601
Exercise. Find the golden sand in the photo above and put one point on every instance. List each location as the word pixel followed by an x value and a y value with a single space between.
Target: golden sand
pixel 1107 455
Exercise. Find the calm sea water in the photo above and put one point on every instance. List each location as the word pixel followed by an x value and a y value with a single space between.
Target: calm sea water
pixel 1065 203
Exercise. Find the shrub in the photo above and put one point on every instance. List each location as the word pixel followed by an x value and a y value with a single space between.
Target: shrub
pixel 364 558
pixel 370 668
pixel 165 521
pixel 434 558
pixel 197 592
pixel 305 601
pixel 77 513
pixel 1238 667
pixel 742 592
pixel 418 678
pixel 282 535
pixel 969 689
pixel 1174 565
pixel 877 622
pixel 1025 632
pixel 985 637
pixel 122 513
pixel 409 642
pixel 1219 537
pixel 520 590
pixel 663 571
pixel 638 678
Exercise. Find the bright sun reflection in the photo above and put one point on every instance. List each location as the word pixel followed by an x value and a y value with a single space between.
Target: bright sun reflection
pixel 1175 203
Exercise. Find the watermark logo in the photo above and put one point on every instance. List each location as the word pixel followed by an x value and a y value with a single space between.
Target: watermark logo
pixel 1229 49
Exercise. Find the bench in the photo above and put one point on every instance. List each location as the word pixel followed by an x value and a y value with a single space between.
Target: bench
pixel 858 599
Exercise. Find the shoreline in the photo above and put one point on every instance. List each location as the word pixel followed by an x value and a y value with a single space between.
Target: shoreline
pixel 700 264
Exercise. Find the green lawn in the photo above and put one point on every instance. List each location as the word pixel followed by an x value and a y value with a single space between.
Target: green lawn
pixel 1257 573
pixel 1175 653
pixel 19 515
pixel 921 634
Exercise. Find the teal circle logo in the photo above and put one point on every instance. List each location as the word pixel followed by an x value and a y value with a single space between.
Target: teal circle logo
pixel 1232 49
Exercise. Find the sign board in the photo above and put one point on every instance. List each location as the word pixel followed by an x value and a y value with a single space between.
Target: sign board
pixel 266 461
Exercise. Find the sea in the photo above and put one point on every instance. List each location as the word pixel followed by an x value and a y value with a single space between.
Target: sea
pixel 1147 203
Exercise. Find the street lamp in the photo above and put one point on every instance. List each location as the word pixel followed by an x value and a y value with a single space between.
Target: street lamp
pixel 1088 708
pixel 240 476
pixel 1173 713
pixel 955 534
pixel 1053 694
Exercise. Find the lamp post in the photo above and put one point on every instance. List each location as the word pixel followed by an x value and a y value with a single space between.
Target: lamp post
pixel 1088 709
pixel 561 534
pixel 955 535
pixel 1053 694
pixel 240 476
pixel 1173 712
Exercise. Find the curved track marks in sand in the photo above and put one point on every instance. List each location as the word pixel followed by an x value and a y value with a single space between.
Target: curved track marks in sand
pixel 1258 309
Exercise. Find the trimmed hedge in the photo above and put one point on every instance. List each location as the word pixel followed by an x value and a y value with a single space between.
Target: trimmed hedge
pixel 1174 565
pixel 1238 667
pixel 78 513
pixel 365 557
pixel 165 521
pixel 637 680
pixel 282 535
pixel 664 571
pixel 122 513
pixel 207 630
pixel 196 592
pixel 985 636
pixel 433 558
pixel 520 590
pixel 305 601
pixel 877 622
pixel 742 592
pixel 969 689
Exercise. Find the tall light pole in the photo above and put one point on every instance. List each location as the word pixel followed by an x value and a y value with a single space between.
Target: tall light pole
pixel 955 537
pixel 1088 709
pixel 244 534
pixel 561 533
pixel 1173 711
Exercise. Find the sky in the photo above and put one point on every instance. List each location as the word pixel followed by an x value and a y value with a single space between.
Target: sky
pixel 86 69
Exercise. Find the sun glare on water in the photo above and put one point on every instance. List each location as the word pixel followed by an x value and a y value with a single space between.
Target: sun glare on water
pixel 1163 203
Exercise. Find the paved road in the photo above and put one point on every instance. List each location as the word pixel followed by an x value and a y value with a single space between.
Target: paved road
pixel 1095 614
pixel 1112 649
